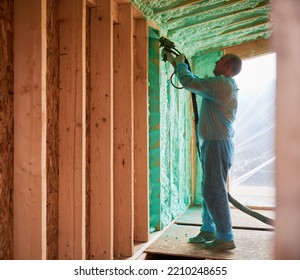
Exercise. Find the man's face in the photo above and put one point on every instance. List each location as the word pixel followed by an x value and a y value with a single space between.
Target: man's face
pixel 221 67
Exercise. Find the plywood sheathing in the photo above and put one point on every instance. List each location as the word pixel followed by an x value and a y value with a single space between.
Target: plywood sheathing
pixel 250 245
pixel 52 84
pixel 6 129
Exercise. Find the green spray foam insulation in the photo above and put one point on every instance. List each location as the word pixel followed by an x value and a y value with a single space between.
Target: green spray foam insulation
pixel 197 30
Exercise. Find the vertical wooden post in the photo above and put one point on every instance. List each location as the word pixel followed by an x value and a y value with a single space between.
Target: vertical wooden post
pixel 101 199
pixel 123 132
pixel 141 147
pixel 287 40
pixel 30 129
pixel 72 129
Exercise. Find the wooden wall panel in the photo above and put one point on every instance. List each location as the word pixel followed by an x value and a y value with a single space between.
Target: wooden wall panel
pixel 72 129
pixel 123 132
pixel 141 130
pixel 30 130
pixel 101 198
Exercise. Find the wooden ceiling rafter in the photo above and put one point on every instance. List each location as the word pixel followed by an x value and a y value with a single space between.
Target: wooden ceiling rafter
pixel 182 4
pixel 218 12
pixel 246 14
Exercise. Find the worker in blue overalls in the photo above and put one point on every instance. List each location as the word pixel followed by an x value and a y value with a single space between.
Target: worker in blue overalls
pixel 215 133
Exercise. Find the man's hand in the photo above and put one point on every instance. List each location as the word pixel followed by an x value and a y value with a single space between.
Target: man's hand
pixel 170 58
pixel 179 59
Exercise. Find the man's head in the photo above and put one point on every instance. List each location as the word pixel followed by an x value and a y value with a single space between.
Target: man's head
pixel 229 65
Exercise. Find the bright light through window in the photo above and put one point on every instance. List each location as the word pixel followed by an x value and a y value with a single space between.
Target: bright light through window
pixel 253 173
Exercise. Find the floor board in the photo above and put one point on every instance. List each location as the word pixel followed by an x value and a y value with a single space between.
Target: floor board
pixel 250 245
pixel 239 219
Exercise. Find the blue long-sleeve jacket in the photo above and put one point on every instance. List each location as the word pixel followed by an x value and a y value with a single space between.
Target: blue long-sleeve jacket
pixel 219 104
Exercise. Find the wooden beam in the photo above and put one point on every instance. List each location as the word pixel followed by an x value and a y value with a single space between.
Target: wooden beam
pixel 72 128
pixel 91 3
pixel 286 43
pixel 101 198
pixel 115 7
pixel 123 132
pixel 251 49
pixel 141 130
pixel 30 129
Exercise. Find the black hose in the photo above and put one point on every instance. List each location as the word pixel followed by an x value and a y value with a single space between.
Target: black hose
pixel 250 212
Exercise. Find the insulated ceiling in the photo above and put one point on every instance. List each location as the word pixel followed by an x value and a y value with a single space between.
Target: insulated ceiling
pixel 206 25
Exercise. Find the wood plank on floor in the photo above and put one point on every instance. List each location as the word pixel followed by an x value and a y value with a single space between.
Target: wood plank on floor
pixel 192 216
pixel 250 245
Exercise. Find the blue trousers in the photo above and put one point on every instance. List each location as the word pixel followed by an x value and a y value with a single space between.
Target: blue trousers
pixel 216 158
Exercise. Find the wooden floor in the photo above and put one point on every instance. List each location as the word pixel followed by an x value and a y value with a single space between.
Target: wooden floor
pixel 253 239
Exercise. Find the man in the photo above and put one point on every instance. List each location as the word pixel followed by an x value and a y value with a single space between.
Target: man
pixel 215 132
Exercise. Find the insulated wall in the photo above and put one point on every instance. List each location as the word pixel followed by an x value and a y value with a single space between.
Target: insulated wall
pixel 171 129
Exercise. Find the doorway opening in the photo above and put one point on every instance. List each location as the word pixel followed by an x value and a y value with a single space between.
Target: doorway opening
pixel 252 176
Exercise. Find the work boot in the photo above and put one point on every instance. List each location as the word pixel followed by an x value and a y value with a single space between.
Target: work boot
pixel 202 237
pixel 220 245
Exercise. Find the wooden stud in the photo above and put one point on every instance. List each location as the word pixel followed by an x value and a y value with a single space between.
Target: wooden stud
pixel 72 129
pixel 30 129
pixel 141 130
pixel 286 43
pixel 101 199
pixel 123 132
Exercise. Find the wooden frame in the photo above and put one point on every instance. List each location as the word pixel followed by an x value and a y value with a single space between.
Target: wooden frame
pixel 30 129
pixel 101 204
pixel 72 129
pixel 141 130
pixel 123 132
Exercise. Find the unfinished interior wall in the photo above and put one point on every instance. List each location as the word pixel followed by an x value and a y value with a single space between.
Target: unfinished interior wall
pixel 58 99
pixel 6 129
pixel 176 127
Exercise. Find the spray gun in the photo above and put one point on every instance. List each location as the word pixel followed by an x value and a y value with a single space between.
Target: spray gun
pixel 169 46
